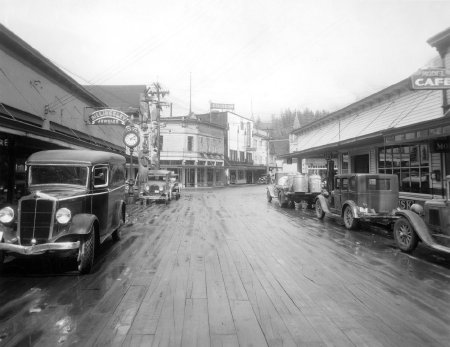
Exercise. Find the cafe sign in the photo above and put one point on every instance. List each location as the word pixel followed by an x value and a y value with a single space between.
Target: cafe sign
pixel 431 79
pixel 108 117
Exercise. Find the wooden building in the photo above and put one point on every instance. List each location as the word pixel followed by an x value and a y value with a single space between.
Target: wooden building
pixel 398 130
pixel 41 107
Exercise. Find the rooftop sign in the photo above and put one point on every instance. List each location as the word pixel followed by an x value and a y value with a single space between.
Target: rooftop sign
pixel 431 79
pixel 216 106
pixel 108 117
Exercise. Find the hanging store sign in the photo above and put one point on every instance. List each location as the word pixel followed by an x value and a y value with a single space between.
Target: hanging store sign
pixel 216 106
pixel 431 79
pixel 108 117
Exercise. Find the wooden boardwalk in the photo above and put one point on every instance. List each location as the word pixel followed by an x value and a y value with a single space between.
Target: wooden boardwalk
pixel 216 272
pixel 225 268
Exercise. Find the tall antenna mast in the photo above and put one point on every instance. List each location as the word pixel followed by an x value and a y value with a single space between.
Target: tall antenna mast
pixel 190 93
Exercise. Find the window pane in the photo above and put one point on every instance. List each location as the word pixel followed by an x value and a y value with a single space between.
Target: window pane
pixel 405 180
pixel 381 158
pixel 424 157
pixel 405 155
pixel 424 180
pixel 414 155
pixel 389 157
pixel 396 156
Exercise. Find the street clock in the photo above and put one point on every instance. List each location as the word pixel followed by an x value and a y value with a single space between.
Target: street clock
pixel 131 137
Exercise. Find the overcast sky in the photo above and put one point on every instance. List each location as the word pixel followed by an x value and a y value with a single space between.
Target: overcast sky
pixel 264 56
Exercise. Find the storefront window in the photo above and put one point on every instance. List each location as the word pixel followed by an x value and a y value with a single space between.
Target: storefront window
pixel 411 163
pixel 345 162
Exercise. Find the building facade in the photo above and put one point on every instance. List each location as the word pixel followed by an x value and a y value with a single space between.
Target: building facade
pixel 240 152
pixel 194 150
pixel 399 130
pixel 41 108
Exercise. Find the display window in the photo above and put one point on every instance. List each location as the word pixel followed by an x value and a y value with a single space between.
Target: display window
pixel 411 163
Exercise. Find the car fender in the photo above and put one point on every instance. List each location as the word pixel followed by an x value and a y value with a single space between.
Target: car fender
pixel 118 212
pixel 419 226
pixel 352 205
pixel 81 224
pixel 323 202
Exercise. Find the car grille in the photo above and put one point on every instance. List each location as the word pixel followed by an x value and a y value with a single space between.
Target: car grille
pixel 35 220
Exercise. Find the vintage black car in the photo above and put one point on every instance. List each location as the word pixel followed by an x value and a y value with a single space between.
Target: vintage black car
pixel 156 187
pixel 361 197
pixel 75 201
pixel 428 224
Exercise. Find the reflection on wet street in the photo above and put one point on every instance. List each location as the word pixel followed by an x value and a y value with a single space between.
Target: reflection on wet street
pixel 225 267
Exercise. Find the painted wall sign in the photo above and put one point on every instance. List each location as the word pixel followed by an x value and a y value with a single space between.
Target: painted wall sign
pixel 405 204
pixel 441 145
pixel 431 79
pixel 108 117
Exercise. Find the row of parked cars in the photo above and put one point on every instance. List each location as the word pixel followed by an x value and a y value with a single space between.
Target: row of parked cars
pixel 75 200
pixel 371 198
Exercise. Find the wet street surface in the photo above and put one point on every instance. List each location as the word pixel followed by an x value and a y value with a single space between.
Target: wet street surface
pixel 223 267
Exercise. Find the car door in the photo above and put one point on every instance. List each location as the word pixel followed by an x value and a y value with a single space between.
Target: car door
pixel 100 197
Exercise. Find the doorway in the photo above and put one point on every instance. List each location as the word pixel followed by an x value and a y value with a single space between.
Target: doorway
pixel 361 163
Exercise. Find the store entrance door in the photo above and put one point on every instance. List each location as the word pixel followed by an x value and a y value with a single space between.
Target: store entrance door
pixel 361 163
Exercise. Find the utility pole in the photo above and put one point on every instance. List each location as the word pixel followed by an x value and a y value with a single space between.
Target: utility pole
pixel 268 149
pixel 156 93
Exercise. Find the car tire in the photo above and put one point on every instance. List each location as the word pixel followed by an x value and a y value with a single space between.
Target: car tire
pixel 350 221
pixel 269 197
pixel 282 199
pixel 117 234
pixel 2 259
pixel 319 210
pixel 86 251
pixel 405 236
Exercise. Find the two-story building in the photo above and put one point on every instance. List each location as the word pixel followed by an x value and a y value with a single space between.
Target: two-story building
pixel 194 149
pixel 240 151
pixel 41 108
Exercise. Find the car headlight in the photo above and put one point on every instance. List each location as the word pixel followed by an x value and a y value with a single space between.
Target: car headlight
pixel 63 215
pixel 6 215
pixel 147 188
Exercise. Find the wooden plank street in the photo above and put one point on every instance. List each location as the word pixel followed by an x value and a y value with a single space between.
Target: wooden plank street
pixel 223 267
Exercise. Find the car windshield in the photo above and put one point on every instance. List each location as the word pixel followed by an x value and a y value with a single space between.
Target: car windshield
pixel 58 174
pixel 160 178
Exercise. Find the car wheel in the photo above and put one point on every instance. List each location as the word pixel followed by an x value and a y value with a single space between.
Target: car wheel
pixel 117 234
pixel 350 221
pixel 319 211
pixel 282 199
pixel 269 197
pixel 86 252
pixel 405 236
pixel 2 259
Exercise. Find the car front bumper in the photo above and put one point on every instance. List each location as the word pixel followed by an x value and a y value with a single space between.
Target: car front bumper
pixel 38 249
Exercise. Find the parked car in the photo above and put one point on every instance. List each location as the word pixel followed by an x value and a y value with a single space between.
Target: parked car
pixel 75 201
pixel 264 179
pixel 157 186
pixel 428 224
pixel 361 197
